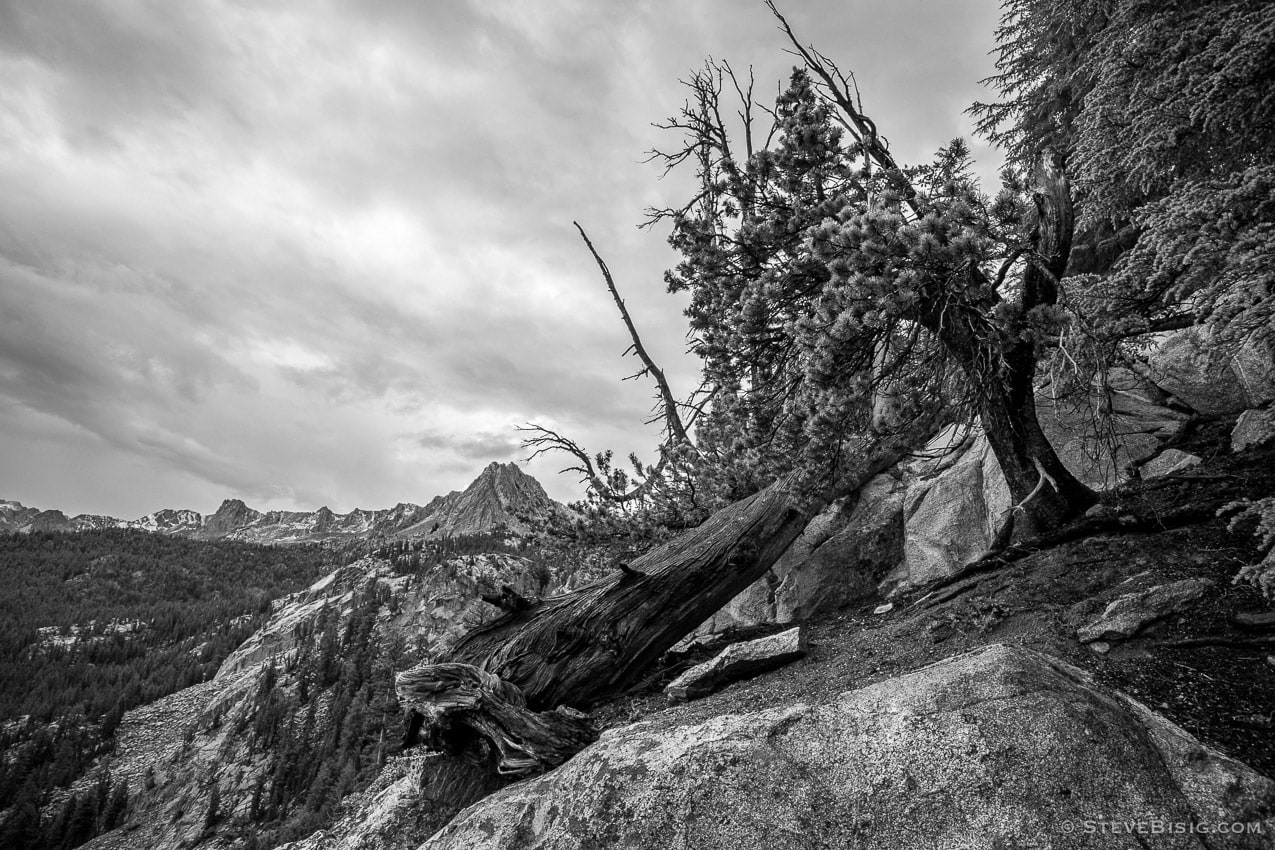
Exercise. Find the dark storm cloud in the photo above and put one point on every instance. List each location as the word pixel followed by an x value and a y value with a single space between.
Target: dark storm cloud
pixel 474 448
pixel 323 254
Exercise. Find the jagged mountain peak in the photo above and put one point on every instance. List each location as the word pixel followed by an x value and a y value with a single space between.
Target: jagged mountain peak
pixel 503 496
pixel 232 515
pixel 15 515
pixel 505 477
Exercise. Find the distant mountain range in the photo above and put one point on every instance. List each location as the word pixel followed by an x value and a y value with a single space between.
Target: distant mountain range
pixel 501 497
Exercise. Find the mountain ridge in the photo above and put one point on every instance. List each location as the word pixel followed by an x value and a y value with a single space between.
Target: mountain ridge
pixel 501 498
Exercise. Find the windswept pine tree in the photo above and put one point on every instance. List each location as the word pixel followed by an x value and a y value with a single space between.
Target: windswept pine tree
pixel 845 305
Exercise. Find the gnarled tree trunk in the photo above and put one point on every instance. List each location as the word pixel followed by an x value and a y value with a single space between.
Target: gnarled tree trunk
pixel 1009 409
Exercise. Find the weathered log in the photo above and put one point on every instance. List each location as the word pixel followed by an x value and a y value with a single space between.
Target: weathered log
pixel 466 712
pixel 598 640
pixel 448 785
pixel 490 701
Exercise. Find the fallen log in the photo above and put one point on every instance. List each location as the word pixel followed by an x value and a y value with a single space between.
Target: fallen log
pixel 594 642
pixel 502 679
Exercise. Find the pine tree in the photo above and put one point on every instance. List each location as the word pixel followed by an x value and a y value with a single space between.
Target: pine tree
pixel 823 276
pixel 116 806
pixel 213 814
pixel 111 721
pixel 80 823
pixel 1165 115
pixel 20 827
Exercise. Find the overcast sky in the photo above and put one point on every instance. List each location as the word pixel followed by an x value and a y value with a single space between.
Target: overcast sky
pixel 320 253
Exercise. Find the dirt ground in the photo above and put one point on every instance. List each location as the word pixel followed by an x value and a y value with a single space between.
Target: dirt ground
pixel 1157 531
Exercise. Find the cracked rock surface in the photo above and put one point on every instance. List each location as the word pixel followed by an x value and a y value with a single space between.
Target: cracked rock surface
pixel 999 747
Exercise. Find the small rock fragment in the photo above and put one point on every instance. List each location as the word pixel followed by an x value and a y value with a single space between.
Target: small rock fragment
pixel 1168 462
pixel 1127 614
pixel 736 662
pixel 883 609
pixel 1255 621
pixel 1100 646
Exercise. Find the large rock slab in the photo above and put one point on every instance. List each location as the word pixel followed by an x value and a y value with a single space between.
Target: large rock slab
pixel 1213 379
pixel 998 748
pixel 1098 451
pixel 1196 373
pixel 1130 613
pixel 955 500
pixel 845 567
pixel 956 496
pixel 837 561
pixel 737 662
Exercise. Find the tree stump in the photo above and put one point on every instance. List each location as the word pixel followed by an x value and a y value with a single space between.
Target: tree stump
pixel 467 712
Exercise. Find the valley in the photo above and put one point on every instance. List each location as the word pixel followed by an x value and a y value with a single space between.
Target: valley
pixel 160 618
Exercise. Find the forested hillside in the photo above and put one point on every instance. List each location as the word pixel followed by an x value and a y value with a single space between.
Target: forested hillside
pixel 93 624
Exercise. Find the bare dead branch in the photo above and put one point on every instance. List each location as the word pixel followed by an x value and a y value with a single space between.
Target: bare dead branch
pixel 545 440
pixel 836 86
pixel 675 429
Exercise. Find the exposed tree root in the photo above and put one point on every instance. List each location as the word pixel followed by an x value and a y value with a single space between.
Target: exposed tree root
pixel 468 712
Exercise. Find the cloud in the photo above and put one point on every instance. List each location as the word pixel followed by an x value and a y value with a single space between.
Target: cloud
pixel 475 448
pixel 307 254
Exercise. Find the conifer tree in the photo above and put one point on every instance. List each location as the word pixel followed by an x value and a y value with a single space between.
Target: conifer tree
pixel 822 274
pixel 1165 113
pixel 213 814
pixel 825 279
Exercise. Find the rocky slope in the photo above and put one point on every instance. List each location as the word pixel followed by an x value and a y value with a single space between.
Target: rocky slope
pixel 502 498
pixel 1000 747
pixel 237 731
pixel 983 716
pixel 929 516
